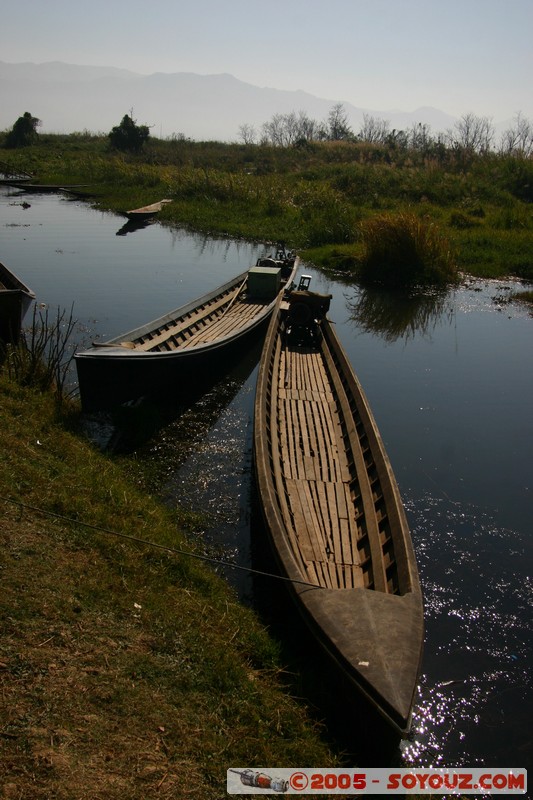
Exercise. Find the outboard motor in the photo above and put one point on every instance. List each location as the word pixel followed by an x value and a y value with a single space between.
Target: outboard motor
pixel 306 311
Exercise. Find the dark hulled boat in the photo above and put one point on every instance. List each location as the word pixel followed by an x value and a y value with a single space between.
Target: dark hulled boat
pixel 15 300
pixel 332 508
pixel 184 346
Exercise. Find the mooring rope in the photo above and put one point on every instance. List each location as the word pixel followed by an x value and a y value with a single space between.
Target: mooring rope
pixel 175 550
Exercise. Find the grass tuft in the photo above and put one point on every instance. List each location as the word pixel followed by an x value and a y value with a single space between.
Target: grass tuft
pixel 402 250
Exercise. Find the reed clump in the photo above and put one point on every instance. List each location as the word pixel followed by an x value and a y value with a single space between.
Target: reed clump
pixel 402 250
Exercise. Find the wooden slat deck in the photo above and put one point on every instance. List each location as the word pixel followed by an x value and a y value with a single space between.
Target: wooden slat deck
pixel 225 324
pixel 203 325
pixel 330 515
pixel 333 511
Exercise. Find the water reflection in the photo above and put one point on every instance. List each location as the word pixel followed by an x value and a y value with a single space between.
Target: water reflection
pixel 134 225
pixel 474 693
pixel 397 315
pixel 200 458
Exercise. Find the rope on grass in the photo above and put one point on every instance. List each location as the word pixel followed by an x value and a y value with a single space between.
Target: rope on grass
pixel 175 550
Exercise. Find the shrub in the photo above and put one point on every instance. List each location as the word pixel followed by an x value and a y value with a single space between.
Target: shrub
pixel 24 131
pixel 43 356
pixel 404 250
pixel 128 135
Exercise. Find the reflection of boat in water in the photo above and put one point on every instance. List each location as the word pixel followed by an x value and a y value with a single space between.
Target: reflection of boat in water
pixel 133 225
pixel 147 212
pixel 167 428
pixel 15 300
pixel 333 510
pixel 176 348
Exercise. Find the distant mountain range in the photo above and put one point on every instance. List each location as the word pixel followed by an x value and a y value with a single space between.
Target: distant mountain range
pixel 70 98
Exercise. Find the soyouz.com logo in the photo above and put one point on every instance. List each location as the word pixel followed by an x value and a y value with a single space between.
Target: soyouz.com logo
pixel 460 781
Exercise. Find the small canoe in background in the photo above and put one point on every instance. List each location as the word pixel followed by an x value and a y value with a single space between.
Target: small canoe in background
pixel 146 212
pixel 333 511
pixel 48 188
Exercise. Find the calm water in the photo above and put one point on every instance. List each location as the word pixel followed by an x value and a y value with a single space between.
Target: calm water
pixel 450 382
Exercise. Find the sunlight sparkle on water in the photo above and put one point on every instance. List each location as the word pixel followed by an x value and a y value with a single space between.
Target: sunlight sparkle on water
pixel 478 644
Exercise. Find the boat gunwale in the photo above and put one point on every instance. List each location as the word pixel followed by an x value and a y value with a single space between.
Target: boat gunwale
pixel 19 287
pixel 407 606
pixel 114 349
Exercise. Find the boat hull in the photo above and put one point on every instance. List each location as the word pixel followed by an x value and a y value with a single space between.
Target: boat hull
pixel 183 350
pixel 147 212
pixel 110 382
pixel 15 300
pixel 334 516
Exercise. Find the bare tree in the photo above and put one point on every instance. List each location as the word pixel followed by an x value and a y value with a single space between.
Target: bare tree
pixel 247 133
pixel 284 130
pixel 518 140
pixel 291 128
pixel 420 136
pixel 473 134
pixel 274 130
pixel 374 130
pixel 307 127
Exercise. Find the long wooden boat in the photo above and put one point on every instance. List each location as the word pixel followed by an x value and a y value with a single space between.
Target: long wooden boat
pixel 184 346
pixel 46 188
pixel 10 173
pixel 15 300
pixel 332 508
pixel 146 212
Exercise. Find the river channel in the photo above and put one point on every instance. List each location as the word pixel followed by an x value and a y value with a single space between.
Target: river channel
pixel 450 381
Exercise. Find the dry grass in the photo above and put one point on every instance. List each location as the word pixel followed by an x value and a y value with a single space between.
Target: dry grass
pixel 125 672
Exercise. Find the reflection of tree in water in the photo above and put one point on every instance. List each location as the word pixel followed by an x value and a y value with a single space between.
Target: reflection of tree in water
pixel 396 315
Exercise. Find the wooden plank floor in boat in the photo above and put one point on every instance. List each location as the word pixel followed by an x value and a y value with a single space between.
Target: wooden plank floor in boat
pixel 202 325
pixel 315 483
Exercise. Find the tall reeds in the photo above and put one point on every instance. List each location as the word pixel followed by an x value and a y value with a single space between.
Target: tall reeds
pixel 403 250
pixel 42 357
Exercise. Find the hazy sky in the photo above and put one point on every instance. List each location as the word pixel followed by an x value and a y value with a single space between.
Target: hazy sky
pixel 456 55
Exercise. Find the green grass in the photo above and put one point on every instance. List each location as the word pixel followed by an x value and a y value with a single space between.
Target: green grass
pixel 124 669
pixel 314 198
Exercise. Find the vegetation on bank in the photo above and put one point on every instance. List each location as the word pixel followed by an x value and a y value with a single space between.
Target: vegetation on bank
pixel 317 196
pixel 126 671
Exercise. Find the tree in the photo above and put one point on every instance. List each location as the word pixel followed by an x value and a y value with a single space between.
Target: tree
pixel 338 127
pixel 472 134
pixel 420 136
pixel 518 140
pixel 374 130
pixel 247 133
pixel 307 128
pixel 24 131
pixel 128 135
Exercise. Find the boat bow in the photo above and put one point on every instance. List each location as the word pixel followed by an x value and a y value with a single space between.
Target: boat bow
pixel 370 635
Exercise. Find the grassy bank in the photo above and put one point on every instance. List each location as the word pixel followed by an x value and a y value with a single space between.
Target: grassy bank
pixel 126 671
pixel 314 198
